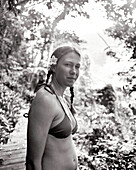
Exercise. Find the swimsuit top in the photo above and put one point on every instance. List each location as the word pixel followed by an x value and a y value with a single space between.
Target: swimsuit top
pixel 63 129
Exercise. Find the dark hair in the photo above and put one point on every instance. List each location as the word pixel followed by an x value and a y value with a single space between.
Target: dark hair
pixel 72 98
pixel 61 51
pixel 50 72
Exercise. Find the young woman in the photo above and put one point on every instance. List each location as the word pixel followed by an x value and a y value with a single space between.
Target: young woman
pixel 51 121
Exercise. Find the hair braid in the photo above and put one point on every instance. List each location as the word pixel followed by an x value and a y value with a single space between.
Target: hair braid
pixel 72 97
pixel 48 76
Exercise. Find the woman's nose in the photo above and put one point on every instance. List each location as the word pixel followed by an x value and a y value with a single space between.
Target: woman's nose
pixel 73 70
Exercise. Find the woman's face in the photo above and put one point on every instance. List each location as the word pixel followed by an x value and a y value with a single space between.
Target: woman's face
pixel 67 69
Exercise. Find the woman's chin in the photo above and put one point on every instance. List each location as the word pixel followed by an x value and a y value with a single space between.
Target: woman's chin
pixel 70 84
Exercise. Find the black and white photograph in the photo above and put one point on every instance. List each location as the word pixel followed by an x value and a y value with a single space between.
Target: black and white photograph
pixel 67 84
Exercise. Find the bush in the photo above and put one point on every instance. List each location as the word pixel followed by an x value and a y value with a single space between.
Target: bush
pixel 106 140
pixel 10 104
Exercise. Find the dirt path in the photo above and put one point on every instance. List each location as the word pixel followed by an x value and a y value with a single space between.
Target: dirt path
pixel 12 155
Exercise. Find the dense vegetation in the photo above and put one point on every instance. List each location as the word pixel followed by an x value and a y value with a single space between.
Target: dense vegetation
pixel 106 138
pixel 107 116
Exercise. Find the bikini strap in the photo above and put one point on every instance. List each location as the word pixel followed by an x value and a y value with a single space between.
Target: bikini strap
pixel 47 88
pixel 53 91
pixel 61 103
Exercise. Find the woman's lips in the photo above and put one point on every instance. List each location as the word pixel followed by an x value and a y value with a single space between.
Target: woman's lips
pixel 71 78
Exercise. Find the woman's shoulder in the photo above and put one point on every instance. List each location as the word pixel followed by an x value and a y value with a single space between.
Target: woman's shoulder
pixel 43 104
pixel 45 94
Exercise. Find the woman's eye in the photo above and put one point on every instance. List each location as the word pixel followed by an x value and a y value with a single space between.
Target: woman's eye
pixel 78 66
pixel 67 64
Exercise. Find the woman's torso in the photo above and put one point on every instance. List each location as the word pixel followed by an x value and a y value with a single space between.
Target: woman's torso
pixel 59 153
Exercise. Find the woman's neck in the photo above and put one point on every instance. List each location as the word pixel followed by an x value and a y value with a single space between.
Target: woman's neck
pixel 59 90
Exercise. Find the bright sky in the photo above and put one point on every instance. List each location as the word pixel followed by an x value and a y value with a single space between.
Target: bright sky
pixel 103 68
pixel 81 25
pixel 91 30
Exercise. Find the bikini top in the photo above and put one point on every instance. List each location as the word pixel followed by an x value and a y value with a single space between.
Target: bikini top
pixel 63 129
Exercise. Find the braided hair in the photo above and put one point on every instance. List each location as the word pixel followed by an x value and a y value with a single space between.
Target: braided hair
pixel 71 99
pixel 50 72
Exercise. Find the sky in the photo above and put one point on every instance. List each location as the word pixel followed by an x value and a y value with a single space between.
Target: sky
pixel 87 29
pixel 91 30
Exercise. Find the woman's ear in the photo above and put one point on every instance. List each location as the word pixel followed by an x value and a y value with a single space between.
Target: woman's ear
pixel 53 68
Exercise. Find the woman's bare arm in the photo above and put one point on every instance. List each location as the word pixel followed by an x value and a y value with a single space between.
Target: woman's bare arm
pixel 39 122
